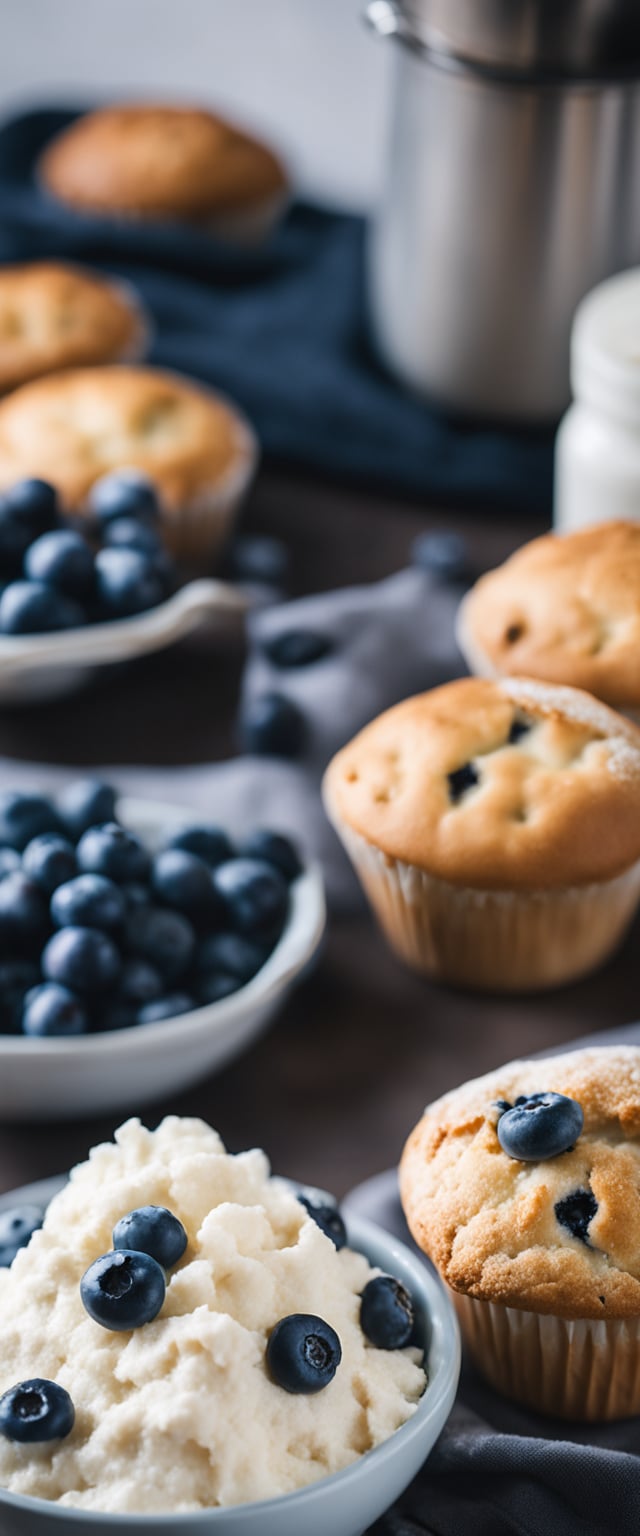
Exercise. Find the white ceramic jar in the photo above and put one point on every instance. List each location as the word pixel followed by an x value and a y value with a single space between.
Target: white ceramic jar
pixel 597 467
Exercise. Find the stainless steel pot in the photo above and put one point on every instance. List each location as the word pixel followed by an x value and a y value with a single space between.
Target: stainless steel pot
pixel 562 36
pixel 508 195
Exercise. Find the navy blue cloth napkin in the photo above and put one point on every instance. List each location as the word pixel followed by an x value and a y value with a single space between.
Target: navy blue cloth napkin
pixel 281 328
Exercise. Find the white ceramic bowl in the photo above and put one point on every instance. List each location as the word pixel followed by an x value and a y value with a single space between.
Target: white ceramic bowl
pixel 55 1079
pixel 346 1504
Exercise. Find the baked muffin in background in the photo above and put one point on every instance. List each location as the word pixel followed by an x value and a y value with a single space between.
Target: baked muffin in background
pixel 565 609
pixel 495 827
pixel 54 315
pixel 74 427
pixel 523 1187
pixel 154 161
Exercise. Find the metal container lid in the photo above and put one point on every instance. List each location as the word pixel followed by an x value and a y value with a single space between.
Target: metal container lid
pixel 577 37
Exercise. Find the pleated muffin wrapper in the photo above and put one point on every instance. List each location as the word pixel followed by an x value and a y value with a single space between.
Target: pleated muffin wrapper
pixel 492 940
pixel 196 531
pixel 569 1368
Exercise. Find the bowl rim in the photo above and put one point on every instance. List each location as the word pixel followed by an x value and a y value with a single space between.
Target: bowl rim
pixel 443 1371
pixel 298 941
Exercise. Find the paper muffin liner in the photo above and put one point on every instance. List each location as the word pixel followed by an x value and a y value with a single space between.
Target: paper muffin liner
pixel 492 940
pixel 571 1368
pixel 196 530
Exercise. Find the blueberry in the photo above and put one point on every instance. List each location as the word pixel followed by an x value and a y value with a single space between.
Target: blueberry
pixel 32 608
pixel 125 493
pixel 62 559
pixel 27 510
pixel 540 1126
pixel 49 860
pixel 231 954
pixel 53 1010
pixel 443 554
pixel 110 850
pixel 209 843
pixel 135 894
pixel 255 557
pixel 23 914
pixel 139 983
pixel 517 730
pixel 17 977
pixel 254 896
pixel 213 986
pixel 576 1212
pixel 462 779
pixel 297 648
pixel 303 1353
pixel 123 1290
pixel 165 938
pixel 387 1313
pixel 36 1410
pixel 23 817
pixel 270 726
pixel 183 881
pixel 129 533
pixel 17 1226
pixel 327 1218
pixel 127 582
pixel 89 901
pixel 9 861
pixel 86 803
pixel 119 1014
pixel 169 1007
pixel 274 849
pixel 83 959
pixel 154 1230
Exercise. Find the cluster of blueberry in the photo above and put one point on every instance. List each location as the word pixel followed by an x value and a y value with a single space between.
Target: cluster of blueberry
pixel 126 1288
pixel 98 934
pixel 53 576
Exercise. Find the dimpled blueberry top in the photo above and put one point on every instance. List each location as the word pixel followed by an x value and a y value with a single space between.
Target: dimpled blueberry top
pixel 558 1235
pixel 181 1414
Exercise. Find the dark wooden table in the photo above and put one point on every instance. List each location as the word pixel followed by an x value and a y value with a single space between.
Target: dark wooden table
pixel 334 1087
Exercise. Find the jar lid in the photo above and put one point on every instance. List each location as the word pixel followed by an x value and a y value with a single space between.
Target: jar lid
pixel 576 37
pixel 605 347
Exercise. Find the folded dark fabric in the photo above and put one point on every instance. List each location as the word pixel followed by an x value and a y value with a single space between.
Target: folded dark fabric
pixel 282 329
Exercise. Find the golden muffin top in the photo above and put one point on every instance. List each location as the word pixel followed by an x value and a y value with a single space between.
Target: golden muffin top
pixel 508 785
pixel 57 316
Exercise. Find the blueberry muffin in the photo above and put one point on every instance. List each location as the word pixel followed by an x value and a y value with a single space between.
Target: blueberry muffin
pixel 57 316
pixel 495 827
pixel 523 1187
pixel 565 610
pixel 76 426
pixel 150 161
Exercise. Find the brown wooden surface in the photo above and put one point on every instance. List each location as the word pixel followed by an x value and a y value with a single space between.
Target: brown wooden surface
pixel 334 1087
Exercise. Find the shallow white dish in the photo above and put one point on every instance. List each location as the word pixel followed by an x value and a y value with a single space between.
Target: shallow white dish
pixel 346 1504
pixel 54 1079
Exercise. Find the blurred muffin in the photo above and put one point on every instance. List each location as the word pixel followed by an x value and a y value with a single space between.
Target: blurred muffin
pixel 565 610
pixel 495 827
pixel 524 1189
pixel 57 316
pixel 149 161
pixel 76 426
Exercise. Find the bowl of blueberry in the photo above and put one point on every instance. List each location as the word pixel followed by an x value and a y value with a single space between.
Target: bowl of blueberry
pixel 138 952
pixel 77 594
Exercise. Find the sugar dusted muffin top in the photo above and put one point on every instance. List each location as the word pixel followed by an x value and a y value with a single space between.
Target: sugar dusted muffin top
pixel 556 1235
pixel 496 785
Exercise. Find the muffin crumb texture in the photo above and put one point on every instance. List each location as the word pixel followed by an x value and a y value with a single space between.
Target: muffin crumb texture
pixel 181 1414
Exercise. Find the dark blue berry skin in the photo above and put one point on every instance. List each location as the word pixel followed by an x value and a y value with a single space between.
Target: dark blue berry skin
pixel 110 850
pixel 123 1290
pixel 297 648
pixel 182 881
pixel 462 779
pixel 387 1313
pixel 127 582
pixel 214 986
pixel 9 861
pixel 271 726
pixel 125 493
pixel 303 1353
pixel 254 897
pixel 165 938
pixel 327 1218
pixel 82 959
pixel 33 608
pixel 63 560
pixel 119 1014
pixel 86 803
pixel 89 901
pixel 49 860
pixel 23 817
pixel 35 1411
pixel 16 1228
pixel 154 1230
pixel 209 843
pixel 135 894
pixel 130 533
pixel 540 1127
pixel 259 558
pixel 28 509
pixel 52 1010
pixel 139 982
pixel 17 977
pixel 23 915
pixel 169 1007
pixel 231 954
pixel 275 849
pixel 576 1212
pixel 443 554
